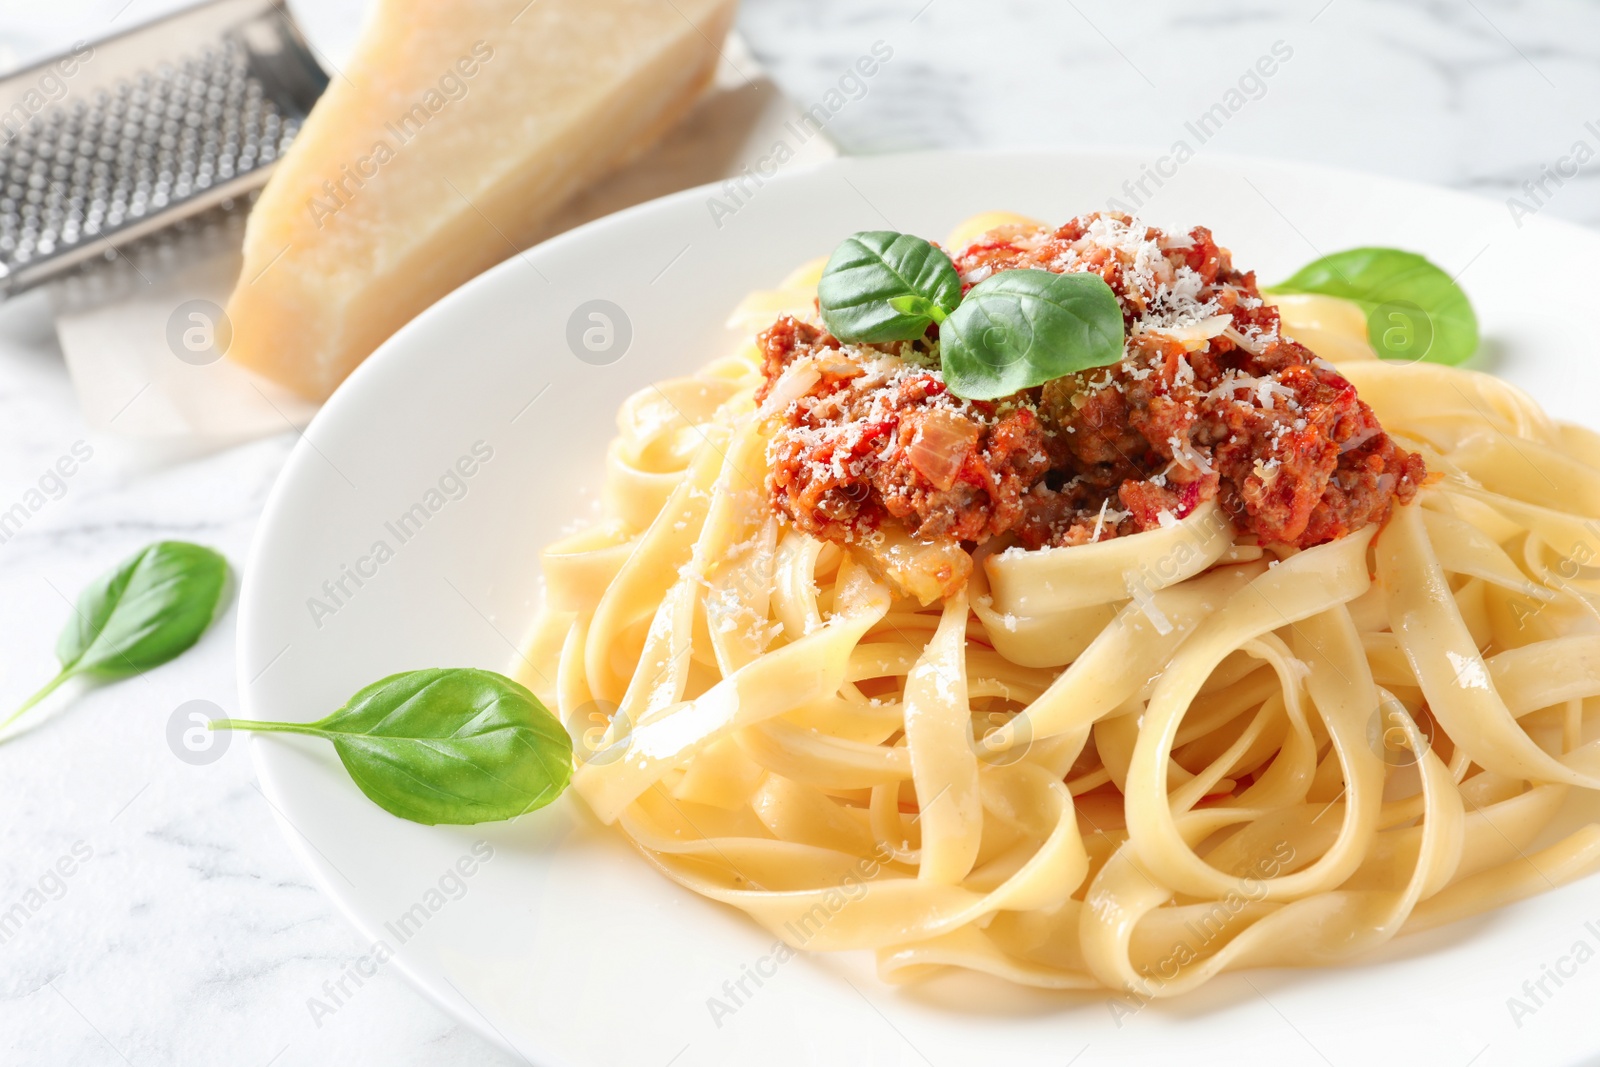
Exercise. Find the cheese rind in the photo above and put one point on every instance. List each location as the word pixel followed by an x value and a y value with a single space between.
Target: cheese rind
pixel 443 147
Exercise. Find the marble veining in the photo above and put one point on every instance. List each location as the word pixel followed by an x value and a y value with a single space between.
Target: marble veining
pixel 189 934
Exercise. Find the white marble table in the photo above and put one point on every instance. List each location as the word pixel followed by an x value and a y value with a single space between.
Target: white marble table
pixel 189 935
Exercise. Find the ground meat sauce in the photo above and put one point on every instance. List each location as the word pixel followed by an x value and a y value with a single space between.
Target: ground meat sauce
pixel 1209 401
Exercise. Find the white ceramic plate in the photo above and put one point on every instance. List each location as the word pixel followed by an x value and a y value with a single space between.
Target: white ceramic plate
pixel 565 946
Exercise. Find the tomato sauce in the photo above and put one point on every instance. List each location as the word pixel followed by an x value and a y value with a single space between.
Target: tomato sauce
pixel 1210 401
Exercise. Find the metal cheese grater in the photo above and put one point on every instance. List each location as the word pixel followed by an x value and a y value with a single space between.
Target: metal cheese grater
pixel 124 137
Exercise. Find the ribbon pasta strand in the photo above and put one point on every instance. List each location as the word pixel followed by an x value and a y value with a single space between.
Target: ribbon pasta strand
pixel 1131 764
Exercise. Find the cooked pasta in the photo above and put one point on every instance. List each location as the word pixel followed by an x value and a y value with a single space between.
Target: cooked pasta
pixel 1126 761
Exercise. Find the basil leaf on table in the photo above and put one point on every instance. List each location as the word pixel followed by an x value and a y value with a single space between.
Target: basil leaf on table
pixel 1022 328
pixel 1415 311
pixel 149 609
pixel 455 745
pixel 880 285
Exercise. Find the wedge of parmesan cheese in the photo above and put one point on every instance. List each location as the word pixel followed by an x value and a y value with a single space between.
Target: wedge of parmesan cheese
pixel 442 147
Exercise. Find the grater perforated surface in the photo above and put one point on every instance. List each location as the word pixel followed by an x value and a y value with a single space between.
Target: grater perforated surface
pixel 109 163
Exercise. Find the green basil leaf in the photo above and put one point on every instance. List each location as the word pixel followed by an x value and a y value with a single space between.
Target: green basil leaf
pixel 880 285
pixel 1022 328
pixel 149 609
pixel 145 612
pixel 445 745
pixel 1414 309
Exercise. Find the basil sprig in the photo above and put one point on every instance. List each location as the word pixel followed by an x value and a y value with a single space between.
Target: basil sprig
pixel 880 285
pixel 445 745
pixel 146 611
pixel 1415 311
pixel 1014 330
pixel 1022 328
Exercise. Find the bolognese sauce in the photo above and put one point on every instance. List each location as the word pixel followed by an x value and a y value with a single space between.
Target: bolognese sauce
pixel 1210 401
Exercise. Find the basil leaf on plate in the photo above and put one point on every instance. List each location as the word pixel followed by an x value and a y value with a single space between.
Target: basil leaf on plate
pixel 455 745
pixel 880 285
pixel 146 611
pixel 1415 311
pixel 1022 328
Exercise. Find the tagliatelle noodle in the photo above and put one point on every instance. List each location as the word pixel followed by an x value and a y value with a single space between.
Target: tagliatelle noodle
pixel 1132 764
